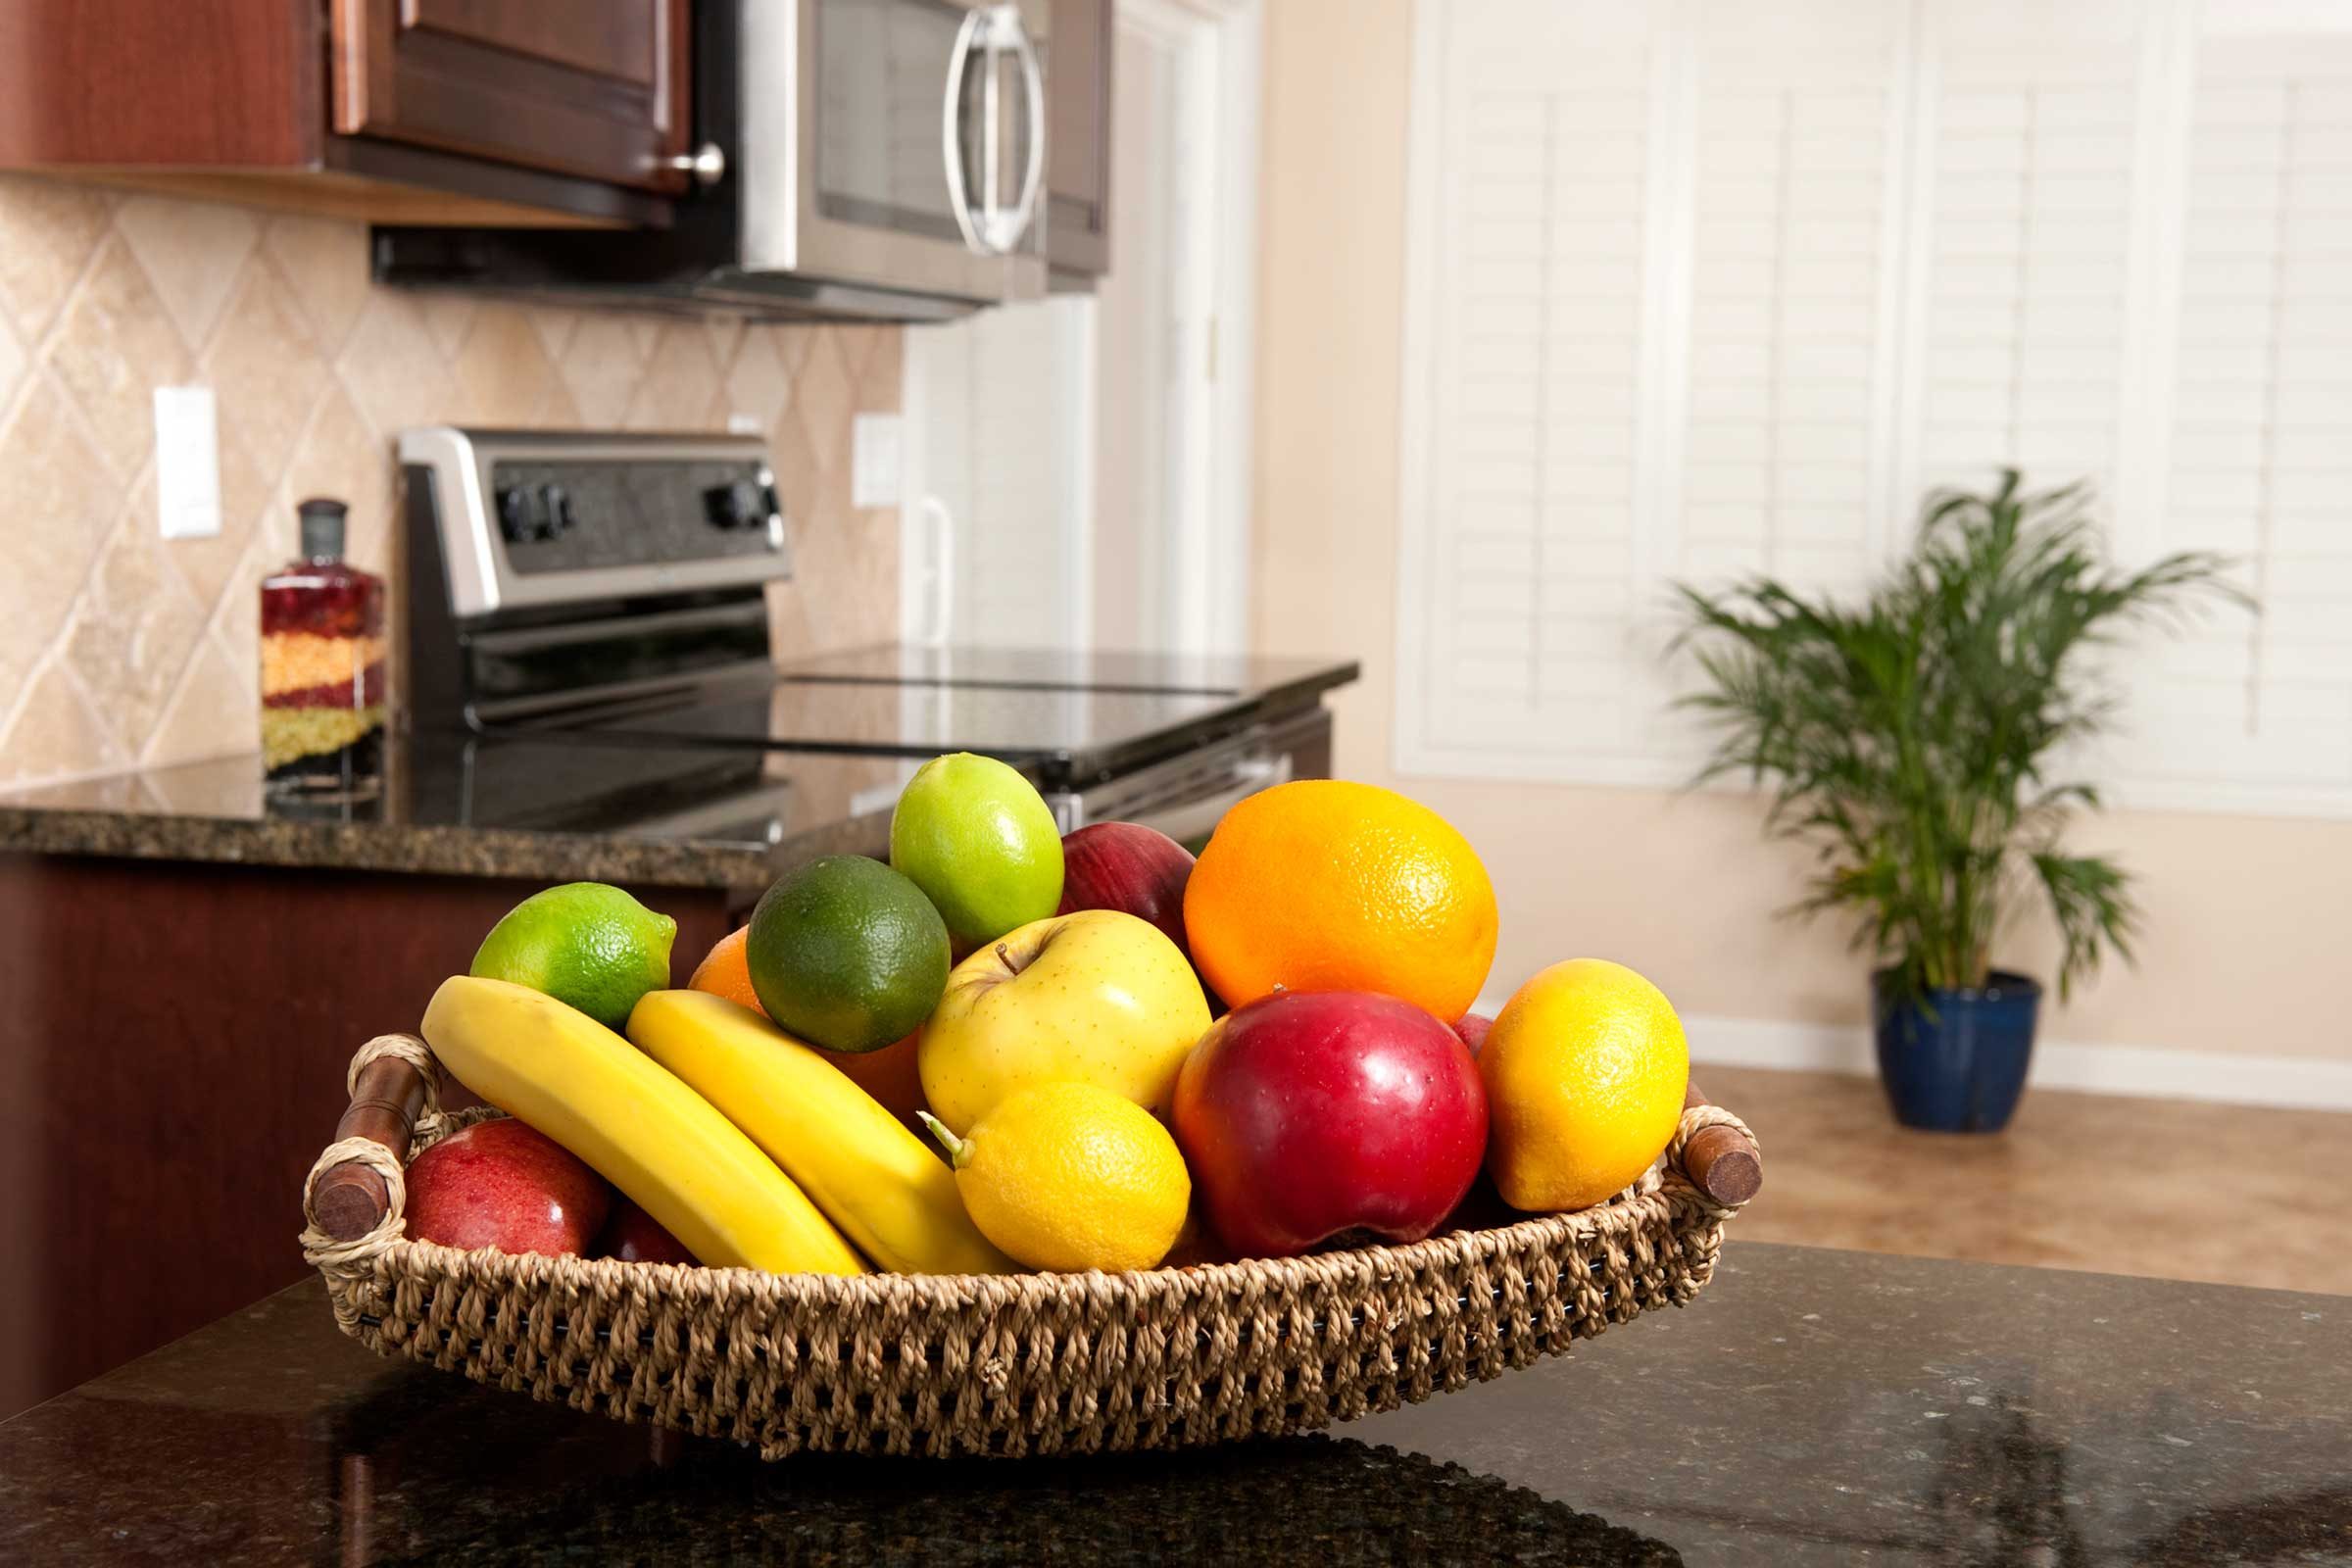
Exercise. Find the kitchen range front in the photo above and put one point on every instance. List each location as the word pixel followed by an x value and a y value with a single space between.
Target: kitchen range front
pixel 1340 781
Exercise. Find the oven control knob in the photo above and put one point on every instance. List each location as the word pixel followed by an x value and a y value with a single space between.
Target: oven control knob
pixel 555 503
pixel 518 514
pixel 734 506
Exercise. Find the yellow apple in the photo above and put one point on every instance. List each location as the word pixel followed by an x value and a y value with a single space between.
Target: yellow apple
pixel 1099 996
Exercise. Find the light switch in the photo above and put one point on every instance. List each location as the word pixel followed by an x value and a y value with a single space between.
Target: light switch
pixel 874 460
pixel 187 463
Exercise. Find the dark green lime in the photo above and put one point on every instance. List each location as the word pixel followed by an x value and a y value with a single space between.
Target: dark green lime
pixel 847 953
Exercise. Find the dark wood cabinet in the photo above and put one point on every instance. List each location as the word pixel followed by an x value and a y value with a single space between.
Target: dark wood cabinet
pixel 481 113
pixel 171 1062
pixel 595 90
pixel 1078 142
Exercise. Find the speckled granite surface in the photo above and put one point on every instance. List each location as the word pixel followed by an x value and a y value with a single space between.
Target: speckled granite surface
pixel 1812 1407
pixel 545 810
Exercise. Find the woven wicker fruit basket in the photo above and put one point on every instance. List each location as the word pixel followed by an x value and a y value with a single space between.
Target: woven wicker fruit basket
pixel 996 1364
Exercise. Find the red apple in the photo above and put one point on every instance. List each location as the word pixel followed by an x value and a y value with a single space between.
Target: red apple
pixel 504 1185
pixel 1127 866
pixel 1473 1027
pixel 1308 1115
pixel 635 1237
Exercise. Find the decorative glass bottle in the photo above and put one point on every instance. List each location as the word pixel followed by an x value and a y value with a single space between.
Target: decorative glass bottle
pixel 322 669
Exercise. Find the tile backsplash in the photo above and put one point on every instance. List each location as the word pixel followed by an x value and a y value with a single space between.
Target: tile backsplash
pixel 121 649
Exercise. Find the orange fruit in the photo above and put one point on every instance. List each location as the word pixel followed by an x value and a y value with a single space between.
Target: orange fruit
pixel 1326 885
pixel 886 1074
pixel 723 972
pixel 1584 1071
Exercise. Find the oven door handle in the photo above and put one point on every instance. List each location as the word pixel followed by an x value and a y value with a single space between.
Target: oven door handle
pixel 1191 819
pixel 950 132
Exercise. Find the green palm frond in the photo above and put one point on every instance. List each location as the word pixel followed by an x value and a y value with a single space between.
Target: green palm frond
pixel 1909 738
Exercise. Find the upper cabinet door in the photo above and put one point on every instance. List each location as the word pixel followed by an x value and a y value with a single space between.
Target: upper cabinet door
pixel 589 87
pixel 1078 139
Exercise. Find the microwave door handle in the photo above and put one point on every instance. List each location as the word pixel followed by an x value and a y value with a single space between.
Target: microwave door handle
pixel 950 132
pixel 1033 93
pixel 992 125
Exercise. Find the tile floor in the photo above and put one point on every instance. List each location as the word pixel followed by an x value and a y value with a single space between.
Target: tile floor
pixel 2231 1194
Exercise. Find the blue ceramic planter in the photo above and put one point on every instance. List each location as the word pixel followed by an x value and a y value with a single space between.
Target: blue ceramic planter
pixel 1956 1065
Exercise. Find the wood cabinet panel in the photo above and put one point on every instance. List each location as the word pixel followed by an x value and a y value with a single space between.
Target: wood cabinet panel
pixel 172 1062
pixel 191 82
pixel 596 89
pixel 622 40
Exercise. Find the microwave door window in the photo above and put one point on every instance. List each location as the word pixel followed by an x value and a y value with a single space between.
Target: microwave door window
pixel 881 89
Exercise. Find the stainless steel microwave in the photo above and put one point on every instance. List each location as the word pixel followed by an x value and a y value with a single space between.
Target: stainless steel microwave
pixel 867 157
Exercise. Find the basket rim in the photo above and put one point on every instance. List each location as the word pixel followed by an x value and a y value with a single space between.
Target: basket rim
pixel 1664 1195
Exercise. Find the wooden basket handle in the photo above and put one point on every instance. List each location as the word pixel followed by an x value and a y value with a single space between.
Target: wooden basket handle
pixel 390 1096
pixel 1722 1163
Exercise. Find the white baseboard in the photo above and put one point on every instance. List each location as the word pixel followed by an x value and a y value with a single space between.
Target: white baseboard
pixel 2301 1083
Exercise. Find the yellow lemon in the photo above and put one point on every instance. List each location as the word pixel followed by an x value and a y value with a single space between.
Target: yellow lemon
pixel 1586 1069
pixel 1065 1176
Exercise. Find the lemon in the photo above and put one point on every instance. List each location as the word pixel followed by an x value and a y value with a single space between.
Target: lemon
pixel 1586 1069
pixel 1067 1176
pixel 587 943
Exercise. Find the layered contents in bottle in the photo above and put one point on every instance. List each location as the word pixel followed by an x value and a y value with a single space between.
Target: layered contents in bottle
pixel 323 677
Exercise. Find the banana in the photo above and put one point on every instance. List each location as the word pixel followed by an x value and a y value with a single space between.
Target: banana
pixel 638 1127
pixel 874 1178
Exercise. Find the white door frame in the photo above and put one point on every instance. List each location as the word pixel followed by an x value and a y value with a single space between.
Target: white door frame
pixel 1208 562
pixel 1209 569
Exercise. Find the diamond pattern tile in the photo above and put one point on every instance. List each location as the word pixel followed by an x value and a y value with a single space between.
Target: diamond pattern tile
pixel 502 370
pixel 757 384
pixel 48 231
pixel 58 499
pixel 823 399
pixel 12 361
pixel 266 369
pixel 113 346
pixel 119 649
pixel 601 365
pixel 213 713
pixel 326 263
pixel 190 252
pixel 680 388
pixel 131 630
pixel 55 734
pixel 448 317
pixel 390 367
pixel 207 566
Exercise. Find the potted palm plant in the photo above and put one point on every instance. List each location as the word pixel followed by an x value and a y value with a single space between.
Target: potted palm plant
pixel 1913 741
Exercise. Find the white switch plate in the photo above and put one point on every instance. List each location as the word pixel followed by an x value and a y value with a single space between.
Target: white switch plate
pixel 187 463
pixel 874 445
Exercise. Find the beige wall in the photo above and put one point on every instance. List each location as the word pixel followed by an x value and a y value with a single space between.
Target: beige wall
pixel 119 649
pixel 2246 919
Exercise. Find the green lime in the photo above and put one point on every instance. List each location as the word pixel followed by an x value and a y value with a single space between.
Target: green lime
pixel 585 942
pixel 981 843
pixel 847 953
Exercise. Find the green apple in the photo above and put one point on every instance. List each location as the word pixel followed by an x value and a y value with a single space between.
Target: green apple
pixel 1099 997
pixel 981 843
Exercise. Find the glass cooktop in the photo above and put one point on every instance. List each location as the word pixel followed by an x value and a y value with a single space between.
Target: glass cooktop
pixel 1066 735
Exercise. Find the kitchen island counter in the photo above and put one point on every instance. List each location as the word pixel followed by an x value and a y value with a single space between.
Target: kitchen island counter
pixel 1810 1408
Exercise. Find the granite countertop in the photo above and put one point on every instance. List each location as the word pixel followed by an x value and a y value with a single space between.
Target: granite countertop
pixel 1810 1408
pixel 563 806
pixel 549 811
